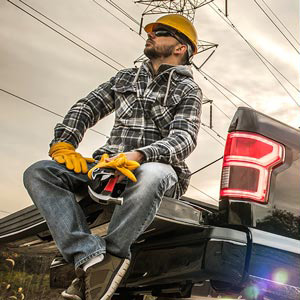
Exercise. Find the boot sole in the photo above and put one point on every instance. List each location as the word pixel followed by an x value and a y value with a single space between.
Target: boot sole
pixel 116 280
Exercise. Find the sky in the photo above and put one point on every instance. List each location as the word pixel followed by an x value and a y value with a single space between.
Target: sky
pixel 43 67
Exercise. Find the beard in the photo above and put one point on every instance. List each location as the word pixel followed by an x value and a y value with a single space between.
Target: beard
pixel 158 52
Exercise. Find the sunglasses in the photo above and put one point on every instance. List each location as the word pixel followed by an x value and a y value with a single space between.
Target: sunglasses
pixel 163 32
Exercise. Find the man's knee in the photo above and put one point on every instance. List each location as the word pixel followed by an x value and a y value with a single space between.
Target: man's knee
pixel 36 170
pixel 155 171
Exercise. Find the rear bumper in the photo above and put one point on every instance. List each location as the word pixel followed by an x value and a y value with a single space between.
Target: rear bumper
pixel 207 252
pixel 241 262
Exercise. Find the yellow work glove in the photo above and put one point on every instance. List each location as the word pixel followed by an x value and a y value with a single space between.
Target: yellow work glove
pixel 64 153
pixel 120 163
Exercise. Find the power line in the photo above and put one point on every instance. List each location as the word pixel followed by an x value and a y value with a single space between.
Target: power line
pixel 256 52
pixel 74 35
pixel 218 89
pixel 280 22
pixel 204 193
pixel 225 88
pixel 44 108
pixel 61 34
pixel 218 108
pixel 211 163
pixel 276 26
pixel 121 10
pixel 212 136
pixel 117 18
pixel 200 169
pixel 213 131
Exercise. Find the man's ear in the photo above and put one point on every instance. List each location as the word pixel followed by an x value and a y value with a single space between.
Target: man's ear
pixel 180 49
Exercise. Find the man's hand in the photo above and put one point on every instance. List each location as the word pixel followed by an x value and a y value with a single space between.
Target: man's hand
pixel 64 153
pixel 121 163
pixel 134 155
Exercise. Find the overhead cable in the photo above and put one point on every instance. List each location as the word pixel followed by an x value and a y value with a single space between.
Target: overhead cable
pixel 206 78
pixel 116 6
pixel 219 12
pixel 276 26
pixel 97 3
pixel 260 56
pixel 74 35
pixel 212 136
pixel 257 53
pixel 204 167
pixel 204 193
pixel 61 34
pixel 225 88
pixel 218 135
pixel 44 108
pixel 219 109
pixel 280 22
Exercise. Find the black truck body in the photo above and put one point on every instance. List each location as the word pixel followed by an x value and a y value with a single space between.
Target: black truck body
pixel 247 247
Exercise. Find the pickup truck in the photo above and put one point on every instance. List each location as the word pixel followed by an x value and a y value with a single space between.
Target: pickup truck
pixel 248 247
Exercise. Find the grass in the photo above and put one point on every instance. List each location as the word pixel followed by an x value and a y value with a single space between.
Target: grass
pixel 24 277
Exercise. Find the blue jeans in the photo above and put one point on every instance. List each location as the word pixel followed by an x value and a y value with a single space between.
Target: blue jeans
pixel 52 188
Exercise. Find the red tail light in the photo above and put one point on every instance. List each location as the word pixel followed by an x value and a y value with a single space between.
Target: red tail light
pixel 248 163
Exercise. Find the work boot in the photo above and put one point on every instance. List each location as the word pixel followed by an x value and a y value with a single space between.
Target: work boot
pixel 103 278
pixel 75 291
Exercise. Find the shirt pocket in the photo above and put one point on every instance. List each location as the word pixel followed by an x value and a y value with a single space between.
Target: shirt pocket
pixel 125 101
pixel 164 110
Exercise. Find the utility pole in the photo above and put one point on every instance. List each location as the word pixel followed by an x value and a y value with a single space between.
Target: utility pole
pixel 226 8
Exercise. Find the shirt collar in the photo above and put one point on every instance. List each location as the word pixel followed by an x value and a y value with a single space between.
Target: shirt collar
pixel 162 68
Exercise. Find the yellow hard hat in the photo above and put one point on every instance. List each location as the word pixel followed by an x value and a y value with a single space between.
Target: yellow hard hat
pixel 179 23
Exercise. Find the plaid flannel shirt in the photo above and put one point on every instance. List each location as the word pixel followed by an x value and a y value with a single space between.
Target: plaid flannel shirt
pixel 157 115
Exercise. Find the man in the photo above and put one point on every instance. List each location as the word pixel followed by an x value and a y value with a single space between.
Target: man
pixel 157 118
